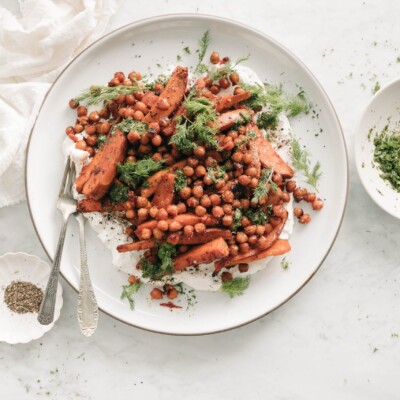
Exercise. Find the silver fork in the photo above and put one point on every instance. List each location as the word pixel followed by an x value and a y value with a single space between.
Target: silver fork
pixel 67 205
pixel 88 310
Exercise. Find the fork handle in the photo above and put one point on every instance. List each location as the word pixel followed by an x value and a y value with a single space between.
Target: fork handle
pixel 87 310
pixel 46 312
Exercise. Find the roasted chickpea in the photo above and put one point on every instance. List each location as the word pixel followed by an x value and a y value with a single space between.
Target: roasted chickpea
pixel 188 231
pixel 172 210
pixel 279 211
pixel 90 150
pixel 144 149
pixel 200 228
pixel 141 202
pixel 185 193
pixel 253 183
pixel 200 171
pixel 299 193
pixel 91 140
pixel 162 225
pixel 233 250
pixel 277 178
pixel 241 237
pixel 244 180
pixel 317 204
pixel 244 247
pixel 228 209
pixel 81 145
pixel 200 211
pixel 188 171
pixel 245 203
pixel 158 234
pixel 252 172
pixel 173 238
pixel 237 156
pixel 162 214
pixel 227 220
pixel 275 221
pixel 130 214
pixel 234 78
pixel 130 159
pixel 207 180
pixel 215 199
pixel 156 294
pixel 243 267
pixel 226 276
pixel 199 151
pixel 198 191
pixel 181 208
pixel 78 128
pixel 205 201
pixel 94 116
pixel 253 239
pixel 133 137
pixel 192 202
pixel 268 227
pixel 214 57
pixel 146 234
pixel 228 196
pixel 164 122
pixel 138 116
pixel 156 140
pixel 224 83
pixel 142 213
pixel 217 212
pixel 153 212
pixel 236 203
pixel 250 230
pixel 89 129
pixel 168 159
pixel 120 76
pixel 245 222
pixel 71 131
pixel 247 158
pixel 260 230
pixel 140 106
pixel 305 219
pixel 162 104
pixel 175 226
pixel 81 111
pixel 285 197
pixel 172 294
pixel 214 89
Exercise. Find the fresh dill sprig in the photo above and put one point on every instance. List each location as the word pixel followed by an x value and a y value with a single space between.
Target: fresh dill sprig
pixel 118 194
pixel 183 138
pixel 180 180
pixel 128 291
pixel 187 50
pixel 165 266
pixel 301 161
pixel 203 45
pixel 216 173
pixel 100 94
pixel 236 286
pixel 264 184
pixel 130 124
pixel 228 68
pixel 258 217
pixel 285 264
pixel 134 173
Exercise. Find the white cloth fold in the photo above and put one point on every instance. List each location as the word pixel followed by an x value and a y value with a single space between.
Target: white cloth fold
pixel 33 50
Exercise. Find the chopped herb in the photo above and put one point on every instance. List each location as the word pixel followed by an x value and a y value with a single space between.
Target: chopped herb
pixel 387 156
pixel 178 58
pixel 134 173
pixel 237 218
pixel 203 45
pixel 183 137
pixel 180 180
pixel 216 173
pixel 285 264
pixel 118 194
pixel 376 88
pixel 187 50
pixel 251 135
pixel 100 94
pixel 258 217
pixel 301 161
pixel 101 139
pixel 128 291
pixel 264 184
pixel 236 286
pixel 398 60
pixel 243 120
pixel 155 272
pixel 129 124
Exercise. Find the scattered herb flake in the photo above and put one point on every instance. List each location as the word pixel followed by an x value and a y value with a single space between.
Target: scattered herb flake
pixel 236 286
pixel 128 291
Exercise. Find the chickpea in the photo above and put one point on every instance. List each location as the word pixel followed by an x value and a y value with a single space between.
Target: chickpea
pixel 209 162
pixel 120 76
pixel 172 210
pixel 89 129
pixel 153 212
pixel 241 237
pixel 245 222
pixel 156 294
pixel 127 82
pixel 253 239
pixel 168 159
pixel 70 130
pixel 188 231
pixel 90 150
pixel 185 193
pixel 214 57
pixel 227 220
pixel 236 203
pixel 173 238
pixel 164 122
pixel 217 212
pixel 250 230
pixel 279 211
pixel 81 145
pixel 205 201
pixel 78 128
pixel 260 229
pixel 144 149
pixel 238 90
pixel 133 137
pixel 198 191
pixel 244 247
pixel 172 294
pixel 200 171
pixel 199 151
pixel 162 214
pixel 132 279
pixel 105 127
pixel 192 202
pixel 91 140
pixel 253 183
pixel 146 234
pixel 275 221
pixel 245 203
pixel 277 178
pixel 192 162
pixel 214 89
pixel 285 197
pixel 200 228
pixel 228 196
pixel 207 180
pixel 158 87
pixel 94 116
pixel 138 116
pixel 139 95
pixel 224 83
pixel 317 204
pixel 134 76
pixel 81 111
pixel 237 156
pixel 243 267
pixel 181 208
pixel 142 213
pixel 299 193
pixel 234 78
pixel 305 219
pixel 140 106
pixel 247 158
pixel 188 171
pixel 162 225
pixel 104 113
pixel 244 180
pixel 226 276
pixel 141 202
pixel 156 140
pixel 215 199
pixel 268 227
pixel 233 250
pixel 175 226
pixel 252 172
pixel 162 104
pixel 200 211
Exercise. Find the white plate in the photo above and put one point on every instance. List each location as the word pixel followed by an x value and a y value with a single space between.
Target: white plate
pixel 140 46
pixel 22 328
pixel 383 109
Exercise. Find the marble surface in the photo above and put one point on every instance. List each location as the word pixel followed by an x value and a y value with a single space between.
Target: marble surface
pixel 339 338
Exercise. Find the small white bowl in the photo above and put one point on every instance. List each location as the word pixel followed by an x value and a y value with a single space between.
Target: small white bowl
pixel 383 109
pixel 22 328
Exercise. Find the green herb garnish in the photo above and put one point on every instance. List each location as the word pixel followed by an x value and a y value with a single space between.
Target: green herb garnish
pixel 301 161
pixel 128 291
pixel 264 184
pixel 258 217
pixel 387 156
pixel 203 45
pixel 129 124
pixel 134 173
pixel 285 264
pixel 180 180
pixel 227 69
pixel 216 173
pixel 101 139
pixel 237 218
pixel 118 194
pixel 236 286
pixel 165 266
pixel 100 94
pixel 187 50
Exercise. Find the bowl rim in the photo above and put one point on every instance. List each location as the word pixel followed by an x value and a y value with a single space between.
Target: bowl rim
pixel 214 18
pixel 358 144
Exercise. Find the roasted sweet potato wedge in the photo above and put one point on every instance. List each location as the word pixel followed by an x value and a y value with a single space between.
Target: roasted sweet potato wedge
pixel 164 193
pixel 203 254
pixel 171 97
pixel 141 245
pixel 207 236
pixel 280 247
pixel 229 118
pixel 228 101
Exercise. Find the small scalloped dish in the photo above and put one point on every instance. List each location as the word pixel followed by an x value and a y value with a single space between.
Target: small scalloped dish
pixel 22 328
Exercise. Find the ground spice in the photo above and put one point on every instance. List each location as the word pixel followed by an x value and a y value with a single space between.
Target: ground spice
pixel 23 297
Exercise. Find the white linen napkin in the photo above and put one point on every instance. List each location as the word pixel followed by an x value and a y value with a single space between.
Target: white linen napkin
pixel 33 50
